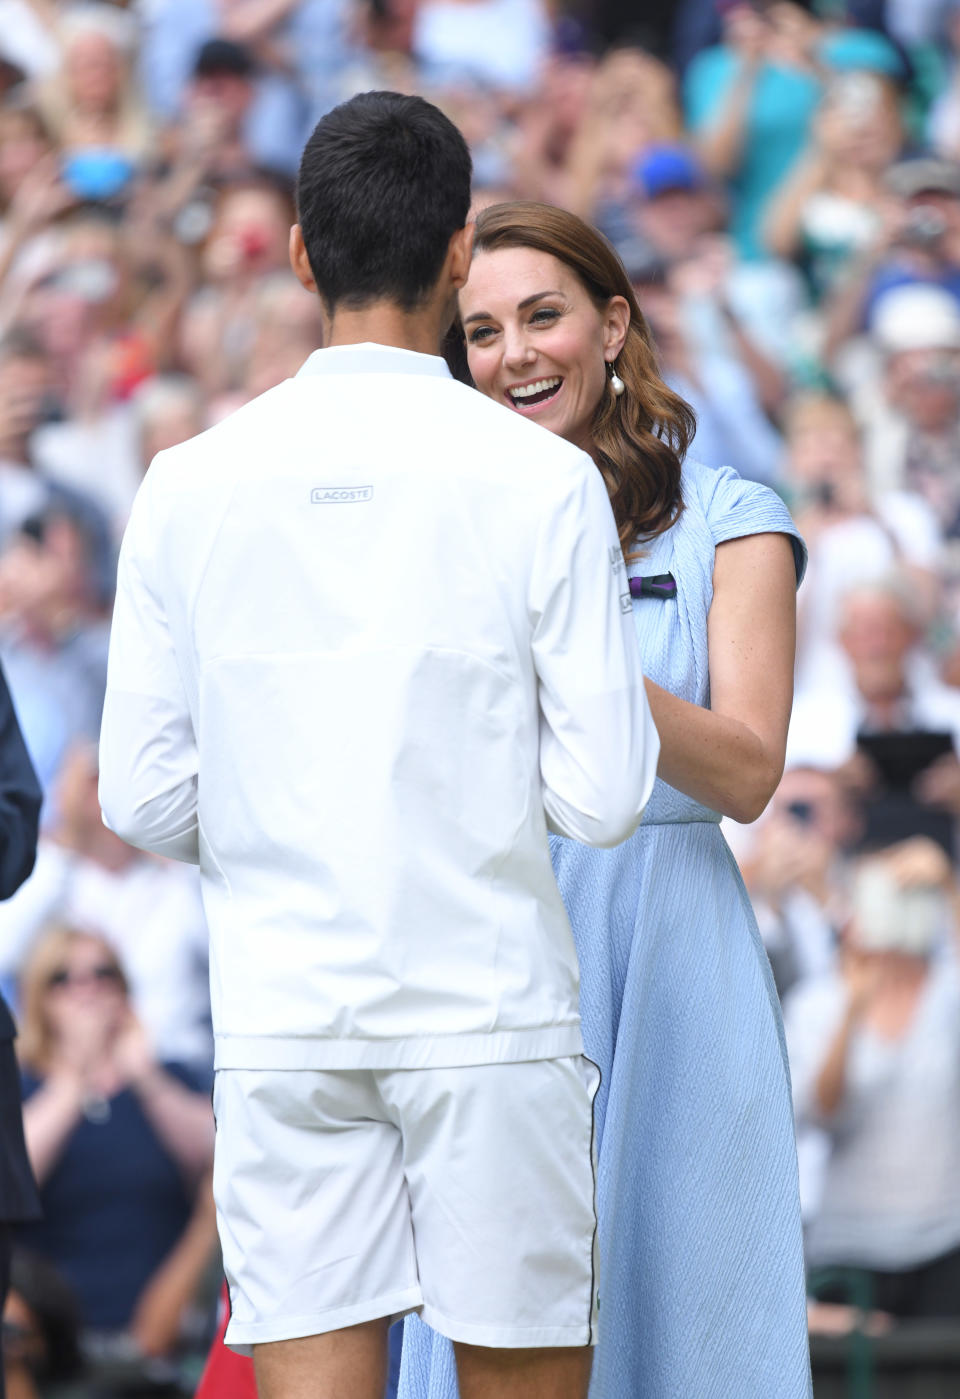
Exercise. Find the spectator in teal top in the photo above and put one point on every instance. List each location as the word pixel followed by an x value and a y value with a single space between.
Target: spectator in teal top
pixel 750 100
pixel 749 103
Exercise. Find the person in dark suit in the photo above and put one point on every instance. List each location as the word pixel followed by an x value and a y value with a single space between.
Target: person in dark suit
pixel 20 800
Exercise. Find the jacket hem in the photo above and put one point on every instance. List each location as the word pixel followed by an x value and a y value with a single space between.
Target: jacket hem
pixel 413 1052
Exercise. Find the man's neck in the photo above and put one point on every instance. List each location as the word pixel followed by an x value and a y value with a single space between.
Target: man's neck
pixel 385 323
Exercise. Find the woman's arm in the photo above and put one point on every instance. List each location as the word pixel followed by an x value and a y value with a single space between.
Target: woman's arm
pixel 49 1117
pixel 248 21
pixel 830 1085
pixel 730 757
pixel 782 224
pixel 156 1321
pixel 181 1118
pixel 719 141
pixel 866 979
pixel 828 163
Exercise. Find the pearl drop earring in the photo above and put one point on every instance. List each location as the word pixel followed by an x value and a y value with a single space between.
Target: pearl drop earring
pixel 617 385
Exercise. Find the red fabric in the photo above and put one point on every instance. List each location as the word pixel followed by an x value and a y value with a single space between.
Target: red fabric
pixel 226 1376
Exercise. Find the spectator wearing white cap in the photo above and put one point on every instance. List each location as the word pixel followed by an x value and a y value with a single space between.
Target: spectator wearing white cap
pixel 917 240
pixel 911 410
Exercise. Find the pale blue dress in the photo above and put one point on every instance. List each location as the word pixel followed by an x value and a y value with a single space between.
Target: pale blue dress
pixel 702 1281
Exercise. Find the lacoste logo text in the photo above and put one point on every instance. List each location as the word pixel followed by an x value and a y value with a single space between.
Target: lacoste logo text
pixel 340 495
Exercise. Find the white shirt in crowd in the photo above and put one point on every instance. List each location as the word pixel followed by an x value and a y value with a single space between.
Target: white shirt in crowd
pixel 372 635
pixel 26 40
pixel 824 726
pixel 151 913
pixel 463 44
pixel 97 456
pixel 890 1192
pixel 902 533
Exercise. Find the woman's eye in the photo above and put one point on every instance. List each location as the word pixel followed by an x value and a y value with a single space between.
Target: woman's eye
pixel 482 333
pixel 544 316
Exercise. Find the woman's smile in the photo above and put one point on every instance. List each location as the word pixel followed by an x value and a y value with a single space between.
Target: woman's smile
pixel 534 394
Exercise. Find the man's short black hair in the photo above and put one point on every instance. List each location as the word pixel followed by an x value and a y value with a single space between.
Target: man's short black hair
pixel 223 56
pixel 384 184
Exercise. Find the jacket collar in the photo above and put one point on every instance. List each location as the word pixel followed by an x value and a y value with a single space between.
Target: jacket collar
pixel 373 359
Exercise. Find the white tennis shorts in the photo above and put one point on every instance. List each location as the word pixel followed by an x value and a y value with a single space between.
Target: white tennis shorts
pixel 466 1194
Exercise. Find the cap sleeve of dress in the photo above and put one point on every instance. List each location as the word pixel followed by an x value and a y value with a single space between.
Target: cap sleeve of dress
pixel 734 508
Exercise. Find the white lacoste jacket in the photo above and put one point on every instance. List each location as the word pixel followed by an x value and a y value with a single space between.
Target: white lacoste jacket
pixel 372 639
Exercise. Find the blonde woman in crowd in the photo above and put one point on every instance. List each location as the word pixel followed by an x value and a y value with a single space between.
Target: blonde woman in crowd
pixel 92 104
pixel 120 1145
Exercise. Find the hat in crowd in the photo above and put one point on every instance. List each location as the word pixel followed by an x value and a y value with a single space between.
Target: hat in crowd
pixel 917 316
pixel 863 51
pixel 223 57
pixel 663 168
pixel 924 175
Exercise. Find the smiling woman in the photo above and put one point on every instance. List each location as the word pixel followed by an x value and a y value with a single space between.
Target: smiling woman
pixel 545 322
pixel 700 1243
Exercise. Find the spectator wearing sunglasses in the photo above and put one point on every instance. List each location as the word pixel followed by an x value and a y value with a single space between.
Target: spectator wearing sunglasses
pixel 120 1144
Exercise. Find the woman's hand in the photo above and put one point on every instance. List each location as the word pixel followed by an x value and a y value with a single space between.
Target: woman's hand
pixel 939 785
pixel 181 1117
pixel 787 856
pixel 82 1048
pixel 865 976
pixel 41 197
pixel 920 862
pixel 747 33
pixel 132 1054
pixel 793 35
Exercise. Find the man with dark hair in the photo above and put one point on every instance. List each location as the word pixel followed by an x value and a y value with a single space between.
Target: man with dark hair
pixel 382 190
pixel 370 644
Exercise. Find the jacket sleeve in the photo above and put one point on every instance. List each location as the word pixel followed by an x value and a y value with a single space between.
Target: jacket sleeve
pixel 148 750
pixel 598 744
pixel 20 801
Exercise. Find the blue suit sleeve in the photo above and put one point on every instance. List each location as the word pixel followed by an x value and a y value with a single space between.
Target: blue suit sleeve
pixel 20 801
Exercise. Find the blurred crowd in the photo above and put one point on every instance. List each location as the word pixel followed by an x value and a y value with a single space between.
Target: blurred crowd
pixel 783 184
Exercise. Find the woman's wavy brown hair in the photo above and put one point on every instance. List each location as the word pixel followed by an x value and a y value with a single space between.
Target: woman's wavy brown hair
pixel 640 438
